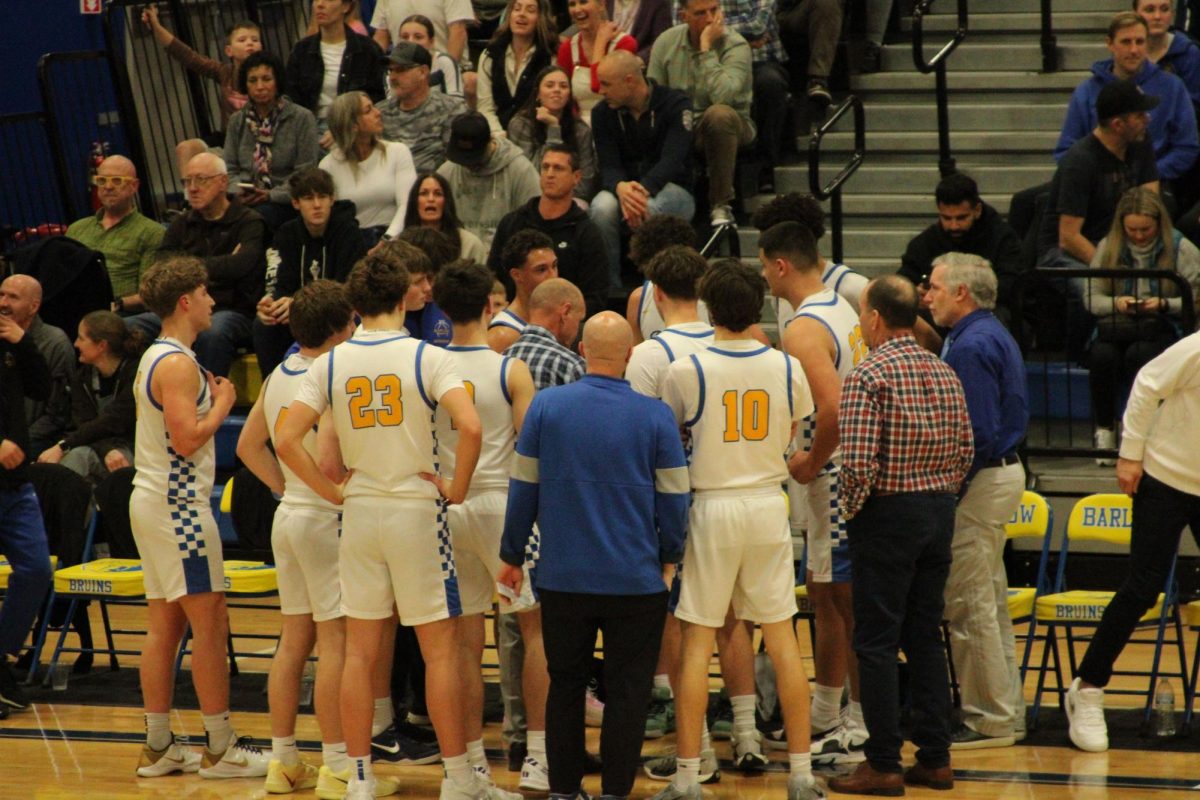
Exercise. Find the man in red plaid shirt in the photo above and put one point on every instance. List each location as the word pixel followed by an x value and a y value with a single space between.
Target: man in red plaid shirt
pixel 906 447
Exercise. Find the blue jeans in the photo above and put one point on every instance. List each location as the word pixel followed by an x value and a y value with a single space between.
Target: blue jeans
pixel 900 559
pixel 23 542
pixel 605 211
pixel 216 347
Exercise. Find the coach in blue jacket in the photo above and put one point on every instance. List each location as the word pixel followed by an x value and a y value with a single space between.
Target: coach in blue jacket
pixel 609 492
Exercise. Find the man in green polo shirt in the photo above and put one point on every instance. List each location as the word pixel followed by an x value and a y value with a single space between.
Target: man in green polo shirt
pixel 126 237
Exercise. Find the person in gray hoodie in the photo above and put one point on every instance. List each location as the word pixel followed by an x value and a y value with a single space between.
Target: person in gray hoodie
pixel 490 176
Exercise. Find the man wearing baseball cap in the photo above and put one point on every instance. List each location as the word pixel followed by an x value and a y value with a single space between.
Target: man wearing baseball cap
pixel 489 176
pixel 413 114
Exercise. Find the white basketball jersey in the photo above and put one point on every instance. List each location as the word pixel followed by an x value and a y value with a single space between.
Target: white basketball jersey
pixel 383 387
pixel 843 280
pixel 649 320
pixel 739 400
pixel 507 319
pixel 484 373
pixel 160 469
pixel 841 321
pixel 281 388
pixel 648 364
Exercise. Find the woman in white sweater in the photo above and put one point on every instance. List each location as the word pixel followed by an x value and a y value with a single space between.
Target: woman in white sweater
pixel 374 174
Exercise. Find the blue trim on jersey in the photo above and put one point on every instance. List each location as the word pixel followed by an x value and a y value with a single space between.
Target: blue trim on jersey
pixel 150 372
pixel 504 378
pixel 466 348
pixel 700 403
pixel 808 303
pixel 688 334
pixel 738 353
pixel 329 378
pixel 837 284
pixel 420 383
pixel 497 322
pixel 642 300
pixel 837 360
pixel 670 353
pixel 381 341
pixel 791 402
pixel 283 368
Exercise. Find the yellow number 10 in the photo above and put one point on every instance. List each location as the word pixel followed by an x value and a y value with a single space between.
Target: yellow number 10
pixel 755 406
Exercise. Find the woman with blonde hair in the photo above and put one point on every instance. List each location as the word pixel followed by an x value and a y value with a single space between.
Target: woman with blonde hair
pixel 524 44
pixel 374 174
pixel 1136 317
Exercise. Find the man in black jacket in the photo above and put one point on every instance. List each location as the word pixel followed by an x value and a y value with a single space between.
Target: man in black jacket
pixel 966 224
pixel 23 373
pixel 228 237
pixel 577 241
pixel 644 150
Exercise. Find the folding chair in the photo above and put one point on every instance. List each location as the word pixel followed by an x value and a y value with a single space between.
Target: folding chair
pixel 107 581
pixel 39 630
pixel 1033 519
pixel 1103 518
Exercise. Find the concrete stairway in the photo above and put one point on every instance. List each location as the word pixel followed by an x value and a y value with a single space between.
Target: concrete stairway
pixel 1005 117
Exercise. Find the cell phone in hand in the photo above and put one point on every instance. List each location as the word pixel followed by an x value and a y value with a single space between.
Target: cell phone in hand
pixel 246 187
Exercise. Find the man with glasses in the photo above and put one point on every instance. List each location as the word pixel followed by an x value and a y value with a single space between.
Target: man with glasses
pixel 126 237
pixel 228 238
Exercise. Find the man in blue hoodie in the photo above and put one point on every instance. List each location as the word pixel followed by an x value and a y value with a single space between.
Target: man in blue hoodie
pixel 1172 128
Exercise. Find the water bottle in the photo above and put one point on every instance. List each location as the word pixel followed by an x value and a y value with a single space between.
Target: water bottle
pixel 1164 709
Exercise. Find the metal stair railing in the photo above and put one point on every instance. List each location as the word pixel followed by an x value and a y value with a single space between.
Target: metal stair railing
pixel 1049 40
pixel 937 65
pixel 832 191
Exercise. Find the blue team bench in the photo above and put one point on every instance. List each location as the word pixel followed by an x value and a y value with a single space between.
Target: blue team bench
pixel 1058 390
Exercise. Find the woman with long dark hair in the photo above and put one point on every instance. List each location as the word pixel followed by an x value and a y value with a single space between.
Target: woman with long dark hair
pixel 551 116
pixel 524 44
pixel 431 205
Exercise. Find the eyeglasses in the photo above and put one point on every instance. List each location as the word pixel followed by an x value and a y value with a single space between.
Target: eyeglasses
pixel 117 181
pixel 198 181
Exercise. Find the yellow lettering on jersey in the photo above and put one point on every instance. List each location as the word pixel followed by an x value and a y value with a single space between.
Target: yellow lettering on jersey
pixel 362 397
pixel 858 346
pixel 470 387
pixel 279 420
pixel 754 405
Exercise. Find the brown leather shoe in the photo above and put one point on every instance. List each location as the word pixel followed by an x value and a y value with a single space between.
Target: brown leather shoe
pixel 940 778
pixel 868 780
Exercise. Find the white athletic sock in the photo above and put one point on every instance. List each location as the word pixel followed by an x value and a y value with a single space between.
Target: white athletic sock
pixel 158 730
pixel 856 717
pixel 459 771
pixel 663 681
pixel 536 741
pixel 283 748
pixel 219 731
pixel 360 771
pixel 476 756
pixel 334 756
pixel 383 715
pixel 743 713
pixel 705 739
pixel 826 707
pixel 687 773
pixel 800 764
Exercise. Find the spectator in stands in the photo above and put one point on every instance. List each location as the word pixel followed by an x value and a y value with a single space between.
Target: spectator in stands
pixel 720 87
pixel 425 320
pixel 268 140
pixel 643 19
pixel 643 148
pixel 815 24
pixel 1173 51
pixel 242 40
pixel 524 44
pixel 487 173
pixel 228 238
pixel 529 260
pixel 1172 128
pixel 24 376
pixel 654 236
pixel 126 237
pixel 1136 318
pixel 878 13
pixel 966 224
pixel 374 174
pixel 756 21
pixel 1094 173
pixel 596 37
pixel 445 73
pixel 103 410
pixel 48 418
pixel 325 242
pixel 551 117
pixel 577 241
pixel 445 22
pixel 431 205
pixel 413 113
pixel 333 62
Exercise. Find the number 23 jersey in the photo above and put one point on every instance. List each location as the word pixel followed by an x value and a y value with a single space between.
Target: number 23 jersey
pixel 739 400
pixel 383 387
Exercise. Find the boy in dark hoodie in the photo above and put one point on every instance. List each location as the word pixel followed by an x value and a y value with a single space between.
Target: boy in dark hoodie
pixel 324 242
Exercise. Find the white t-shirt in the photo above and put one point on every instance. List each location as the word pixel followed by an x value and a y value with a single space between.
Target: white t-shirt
pixel 391 13
pixel 378 186
pixel 331 54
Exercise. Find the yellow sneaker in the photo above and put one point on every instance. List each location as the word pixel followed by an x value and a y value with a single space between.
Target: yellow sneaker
pixel 285 780
pixel 332 785
pixel 173 758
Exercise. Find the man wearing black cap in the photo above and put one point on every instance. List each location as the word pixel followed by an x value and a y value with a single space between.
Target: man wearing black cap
pixel 489 176
pixel 413 114
pixel 1094 173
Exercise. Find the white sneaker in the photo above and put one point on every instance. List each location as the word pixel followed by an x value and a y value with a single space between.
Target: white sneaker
pixel 332 785
pixel 1085 712
pixel 535 776
pixel 804 788
pixel 747 751
pixel 721 215
pixel 241 759
pixel 663 768
pixel 175 757
pixel 285 780
pixel 494 792
pixel 1106 439
pixel 450 790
